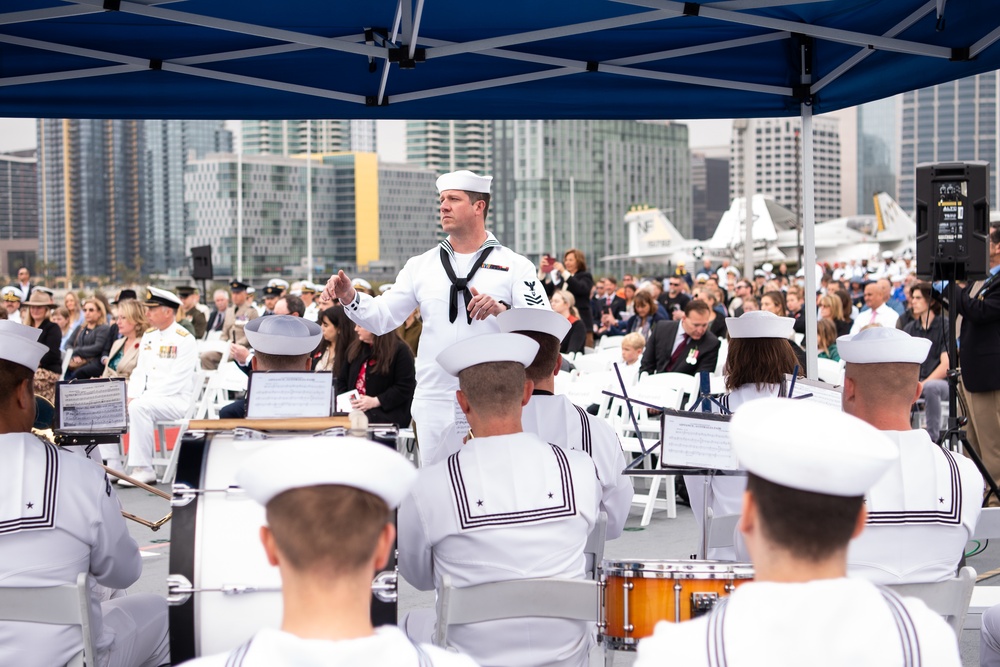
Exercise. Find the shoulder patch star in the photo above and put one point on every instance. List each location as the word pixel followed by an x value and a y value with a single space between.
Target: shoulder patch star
pixel 550 494
pixel 941 500
pixel 479 503
pixel 31 505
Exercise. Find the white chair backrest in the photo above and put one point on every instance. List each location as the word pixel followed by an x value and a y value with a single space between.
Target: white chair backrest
pixel 68 604
pixel 594 549
pixel 575 599
pixel 563 382
pixel 721 531
pixel 67 356
pixel 830 371
pixel 723 353
pixel 592 363
pixel 988 526
pixel 671 390
pixel 610 342
pixel 948 598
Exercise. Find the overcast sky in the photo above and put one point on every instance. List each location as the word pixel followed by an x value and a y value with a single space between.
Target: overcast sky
pixel 18 133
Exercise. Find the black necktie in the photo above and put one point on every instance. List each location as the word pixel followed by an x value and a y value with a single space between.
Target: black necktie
pixel 461 284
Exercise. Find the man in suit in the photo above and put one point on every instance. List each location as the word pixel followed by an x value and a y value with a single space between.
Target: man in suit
pixel 606 301
pixel 217 318
pixel 979 307
pixel 682 346
pixel 24 282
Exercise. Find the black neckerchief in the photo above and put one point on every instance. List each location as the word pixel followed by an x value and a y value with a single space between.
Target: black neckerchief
pixel 462 284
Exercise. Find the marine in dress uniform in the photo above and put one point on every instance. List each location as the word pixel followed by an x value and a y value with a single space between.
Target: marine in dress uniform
pixel 197 318
pixel 329 529
pixel 924 510
pixel 162 385
pixel 727 490
pixel 507 506
pixel 237 316
pixel 457 291
pixel 556 420
pixel 59 517
pixel 803 505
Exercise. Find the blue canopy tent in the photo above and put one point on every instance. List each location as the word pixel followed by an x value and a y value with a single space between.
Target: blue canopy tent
pixel 636 59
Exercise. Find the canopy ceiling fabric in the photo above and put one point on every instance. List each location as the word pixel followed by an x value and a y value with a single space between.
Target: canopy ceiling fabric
pixel 629 59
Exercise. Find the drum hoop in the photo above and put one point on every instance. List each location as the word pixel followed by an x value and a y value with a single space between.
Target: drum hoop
pixel 677 569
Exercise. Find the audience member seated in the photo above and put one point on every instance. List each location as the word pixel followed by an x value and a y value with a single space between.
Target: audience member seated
pixel 564 303
pixel 40 305
pixel 381 370
pixel 831 307
pixel 646 315
pixel 929 323
pixel 682 346
pixel 826 339
pixel 89 341
pixel 124 354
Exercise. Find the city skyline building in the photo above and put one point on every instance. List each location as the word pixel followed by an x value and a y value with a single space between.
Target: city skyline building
pixel 450 145
pixel 561 184
pixel 18 211
pixel 952 122
pixel 291 137
pixel 709 192
pixel 90 191
pixel 877 157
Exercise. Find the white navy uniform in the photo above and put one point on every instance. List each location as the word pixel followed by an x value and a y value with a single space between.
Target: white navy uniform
pixel 312 312
pixel 823 623
pixel 388 647
pixel 160 388
pixel 59 517
pixel 727 490
pixel 505 507
pixel 921 514
pixel 504 275
pixel 884 316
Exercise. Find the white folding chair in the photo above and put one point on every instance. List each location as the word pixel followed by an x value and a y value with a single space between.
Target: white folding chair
pixel 721 531
pixel 948 598
pixel 67 604
pixel 830 371
pixel 67 356
pixel 610 342
pixel 594 549
pixel 723 353
pixel 163 456
pixel 592 363
pixel 988 526
pixel 571 599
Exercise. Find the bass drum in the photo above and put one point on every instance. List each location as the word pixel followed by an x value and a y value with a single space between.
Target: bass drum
pixel 221 589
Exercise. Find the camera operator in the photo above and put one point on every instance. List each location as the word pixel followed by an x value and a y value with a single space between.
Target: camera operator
pixel 979 307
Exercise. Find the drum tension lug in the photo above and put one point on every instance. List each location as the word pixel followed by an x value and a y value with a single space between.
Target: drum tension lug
pixel 179 589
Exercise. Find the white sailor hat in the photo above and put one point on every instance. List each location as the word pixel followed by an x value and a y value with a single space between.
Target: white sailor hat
pixel 701 277
pixel 534 319
pixel 309 288
pixel 817 448
pixel 883 345
pixel 284 335
pixel 767 266
pixel 342 461
pixel 464 180
pixel 12 293
pixel 488 348
pixel 277 282
pixel 385 287
pixel 887 254
pixel 161 297
pixel 361 282
pixel 19 344
pixel 759 324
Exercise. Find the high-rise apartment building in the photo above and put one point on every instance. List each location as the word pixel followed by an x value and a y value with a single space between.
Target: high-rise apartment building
pixel 709 191
pixel 955 121
pixel 90 191
pixel 877 157
pixel 18 212
pixel 777 163
pixel 366 217
pixel 168 145
pixel 291 137
pixel 450 145
pixel 561 184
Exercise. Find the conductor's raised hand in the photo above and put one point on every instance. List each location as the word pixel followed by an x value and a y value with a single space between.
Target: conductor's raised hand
pixel 339 286
pixel 483 305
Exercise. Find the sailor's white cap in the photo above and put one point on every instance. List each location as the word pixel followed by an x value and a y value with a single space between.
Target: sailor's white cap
pixel 12 293
pixel 342 461
pixel 817 448
pixel 161 297
pixel 385 287
pixel 888 254
pixel 19 344
pixel 883 345
pixel 767 266
pixel 488 348
pixel 309 287
pixel 464 180
pixel 277 282
pixel 759 324
pixel 534 319
pixel 284 335
pixel 361 282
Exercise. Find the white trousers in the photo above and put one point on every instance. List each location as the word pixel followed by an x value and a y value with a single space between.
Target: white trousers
pixel 143 413
pixel 139 625
pixel 432 419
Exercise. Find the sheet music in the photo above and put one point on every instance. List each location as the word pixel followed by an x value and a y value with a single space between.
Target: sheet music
pixel 822 392
pixel 697 440
pixel 92 407
pixel 280 394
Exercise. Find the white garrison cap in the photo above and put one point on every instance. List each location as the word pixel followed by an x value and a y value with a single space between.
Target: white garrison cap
pixel 343 461
pixel 464 180
pixel 285 335
pixel 488 348
pixel 277 282
pixel 361 282
pixel 12 293
pixel 883 345
pixel 817 448
pixel 19 344
pixel 759 324
pixel 534 319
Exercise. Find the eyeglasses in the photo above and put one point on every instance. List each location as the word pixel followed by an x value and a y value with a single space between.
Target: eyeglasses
pixel 90 310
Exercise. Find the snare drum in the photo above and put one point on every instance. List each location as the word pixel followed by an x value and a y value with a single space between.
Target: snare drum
pixel 221 589
pixel 639 593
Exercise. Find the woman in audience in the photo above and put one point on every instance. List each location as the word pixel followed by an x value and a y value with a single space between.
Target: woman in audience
pixel 39 306
pixel 73 306
pixel 88 343
pixel 826 338
pixel 573 276
pixel 831 307
pixel 750 304
pixel 628 293
pixel 846 307
pixel 124 354
pixel 774 303
pixel 338 334
pixel 928 322
pixel 381 370
pixel 564 303
pixel 61 317
pixel 646 315
pixel 760 356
